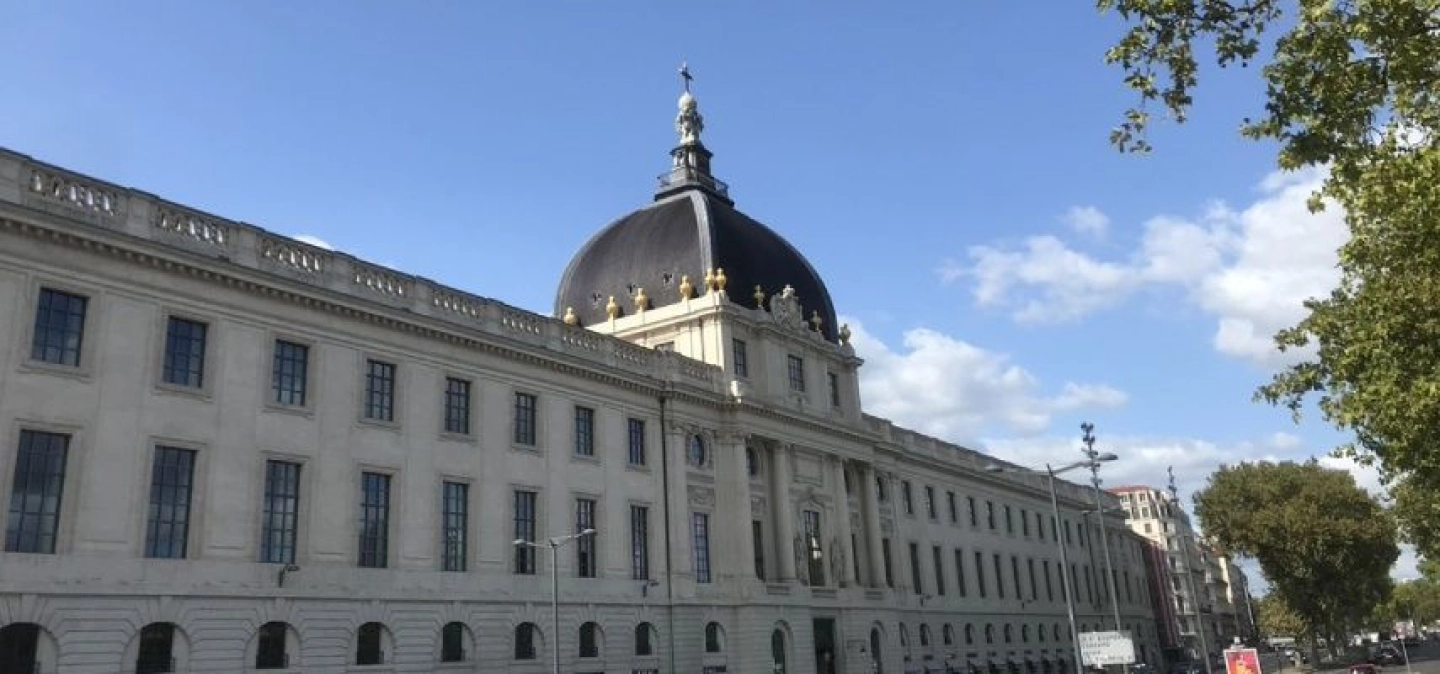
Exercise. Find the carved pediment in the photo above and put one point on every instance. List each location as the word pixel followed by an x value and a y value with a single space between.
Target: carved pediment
pixel 785 310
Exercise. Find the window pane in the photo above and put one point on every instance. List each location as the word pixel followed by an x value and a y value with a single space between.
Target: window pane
pixel 524 531
pixel 585 562
pixel 701 530
pixel 168 525
pixel 524 419
pixel 456 512
pixel 185 353
pixel 584 431
pixel 380 391
pixel 457 406
pixel 640 542
pixel 59 327
pixel 637 442
pixel 290 374
pixel 281 514
pixel 35 492
pixel 374 520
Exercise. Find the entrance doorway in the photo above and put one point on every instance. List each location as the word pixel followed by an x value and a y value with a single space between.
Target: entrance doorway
pixel 825 646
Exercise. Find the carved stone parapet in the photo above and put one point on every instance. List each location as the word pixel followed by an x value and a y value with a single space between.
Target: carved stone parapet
pixel 190 226
pixel 293 255
pixel 74 193
pixel 455 303
pixel 381 281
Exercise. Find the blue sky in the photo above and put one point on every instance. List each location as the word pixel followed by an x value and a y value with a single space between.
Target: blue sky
pixel 945 166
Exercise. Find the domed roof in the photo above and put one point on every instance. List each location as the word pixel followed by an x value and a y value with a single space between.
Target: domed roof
pixel 690 229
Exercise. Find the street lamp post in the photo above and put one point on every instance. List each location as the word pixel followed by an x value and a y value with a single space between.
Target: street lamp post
pixel 554 545
pixel 1065 584
pixel 1190 580
pixel 1090 453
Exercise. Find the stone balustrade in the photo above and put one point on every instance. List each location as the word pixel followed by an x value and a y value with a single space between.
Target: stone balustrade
pixel 87 202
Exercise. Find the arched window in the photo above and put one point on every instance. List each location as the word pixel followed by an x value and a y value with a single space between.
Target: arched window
pixel 875 655
pixel 644 639
pixel 904 637
pixel 19 647
pixel 369 644
pixel 777 650
pixel 525 638
pixel 272 648
pixel 752 461
pixel 697 450
pixel 947 635
pixel 590 640
pixel 452 642
pixel 714 638
pixel 924 635
pixel 157 649
pixel 989 633
pixel 969 634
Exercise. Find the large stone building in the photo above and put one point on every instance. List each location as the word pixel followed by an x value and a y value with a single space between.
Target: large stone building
pixel 224 450
pixel 1207 608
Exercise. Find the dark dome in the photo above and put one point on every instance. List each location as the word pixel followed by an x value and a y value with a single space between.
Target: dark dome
pixel 687 232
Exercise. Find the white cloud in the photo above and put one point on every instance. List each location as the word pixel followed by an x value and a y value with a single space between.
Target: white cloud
pixel 1250 270
pixel 1282 441
pixel 943 386
pixel 314 241
pixel 1086 220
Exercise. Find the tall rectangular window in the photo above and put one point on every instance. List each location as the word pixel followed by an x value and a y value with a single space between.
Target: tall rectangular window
pixel 586 564
pixel 960 570
pixel 168 524
pixel 36 491
pixel 584 431
pixel 184 353
pixel 379 390
pixel 907 498
pixel 889 567
pixel 457 406
pixel 938 559
pixel 834 381
pixel 640 542
pixel 291 372
pixel 1024 523
pixel 524 531
pixel 59 327
pixel 1015 576
pixel 525 419
pixel 954 512
pixel 980 573
pixel 915 569
pixel 701 530
pixel 974 516
pixel 796 368
pixel 757 535
pixel 281 513
pixel 1030 571
pixel 636 429
pixel 741 357
pixel 999 577
pixel 455 513
pixel 990 514
pixel 1049 587
pixel 814 550
pixel 1009 521
pixel 374 520
pixel 930 501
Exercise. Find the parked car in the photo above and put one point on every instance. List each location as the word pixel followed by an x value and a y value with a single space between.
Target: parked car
pixel 1364 668
pixel 1386 655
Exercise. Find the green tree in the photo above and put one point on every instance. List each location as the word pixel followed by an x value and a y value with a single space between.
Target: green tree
pixel 1352 86
pixel 1278 620
pixel 1417 510
pixel 1325 545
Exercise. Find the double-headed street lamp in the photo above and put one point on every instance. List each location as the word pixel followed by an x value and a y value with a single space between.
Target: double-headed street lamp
pixel 1091 453
pixel 554 545
pixel 1052 471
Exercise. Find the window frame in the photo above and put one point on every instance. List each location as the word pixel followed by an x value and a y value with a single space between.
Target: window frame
pixel 185 519
pixel 740 357
pixel 640 533
pixel 525 421
pixel 584 424
pixel 466 425
pixel 587 516
pixel 206 374
pixel 59 530
pixel 84 347
pixel 379 392
pixel 700 531
pixel 525 526
pixel 378 553
pixel 795 372
pixel 296 516
pixel 273 380
pixel 636 443
pixel 452 560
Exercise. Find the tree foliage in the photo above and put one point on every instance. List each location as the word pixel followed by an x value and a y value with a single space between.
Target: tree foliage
pixel 1325 545
pixel 1278 620
pixel 1353 87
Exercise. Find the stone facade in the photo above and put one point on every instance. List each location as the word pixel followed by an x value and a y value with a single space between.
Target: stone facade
pixel 159 538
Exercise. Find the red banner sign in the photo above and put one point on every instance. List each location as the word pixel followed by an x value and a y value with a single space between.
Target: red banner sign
pixel 1242 661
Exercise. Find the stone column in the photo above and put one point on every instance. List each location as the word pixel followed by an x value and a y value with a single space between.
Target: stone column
pixel 870 511
pixel 732 506
pixel 842 522
pixel 783 511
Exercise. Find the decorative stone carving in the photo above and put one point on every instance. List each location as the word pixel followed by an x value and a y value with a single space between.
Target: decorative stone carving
pixel 720 280
pixel 74 193
pixel 757 506
pixel 785 309
pixel 293 255
pixel 570 318
pixel 612 308
pixel 380 281
pixel 759 298
pixel 887 527
pixel 687 289
pixel 817 321
pixel 710 280
pixel 641 301
pixel 190 226
pixel 455 303
pixel 701 496
pixel 845 334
